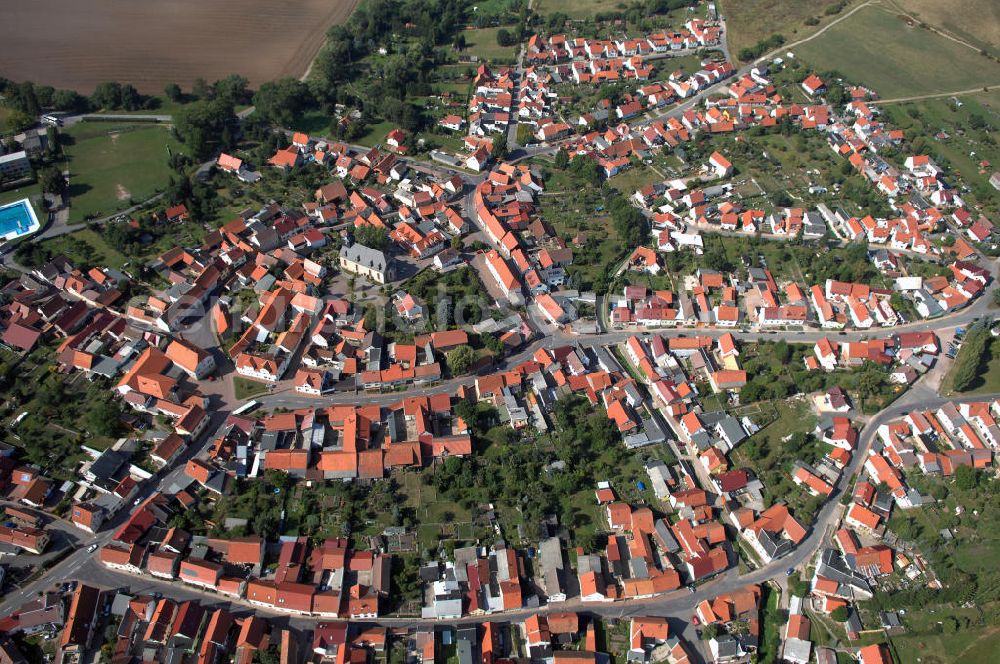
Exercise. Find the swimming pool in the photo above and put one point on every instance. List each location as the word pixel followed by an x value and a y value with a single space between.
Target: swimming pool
pixel 17 219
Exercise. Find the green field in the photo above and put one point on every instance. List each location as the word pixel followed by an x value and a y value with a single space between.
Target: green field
pixel 482 42
pixel 575 8
pixel 111 165
pixel 881 50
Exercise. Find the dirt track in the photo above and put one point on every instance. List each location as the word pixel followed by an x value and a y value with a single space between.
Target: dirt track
pixel 149 43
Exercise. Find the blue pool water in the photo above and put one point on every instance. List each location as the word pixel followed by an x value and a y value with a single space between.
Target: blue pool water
pixel 17 219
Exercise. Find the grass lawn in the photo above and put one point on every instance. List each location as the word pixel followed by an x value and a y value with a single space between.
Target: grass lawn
pixel 32 191
pixel 633 179
pixel 315 123
pixel 879 49
pixel 246 388
pixel 111 165
pixel 482 42
pixel 574 8
pixel 376 133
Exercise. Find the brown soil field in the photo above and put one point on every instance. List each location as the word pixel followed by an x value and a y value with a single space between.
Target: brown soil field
pixel 77 44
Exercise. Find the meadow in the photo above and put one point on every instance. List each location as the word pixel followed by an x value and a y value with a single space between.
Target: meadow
pixel 897 58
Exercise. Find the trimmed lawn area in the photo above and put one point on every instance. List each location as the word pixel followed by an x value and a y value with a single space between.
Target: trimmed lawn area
pixel 112 165
pixel 314 123
pixel 246 388
pixel 882 50
pixel 574 8
pixel 32 191
pixel 376 133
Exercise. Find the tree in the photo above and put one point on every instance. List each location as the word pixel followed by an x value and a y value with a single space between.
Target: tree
pixel 840 614
pixel 561 159
pixel 129 98
pixel 282 100
pixel 200 125
pixel 52 181
pixel 105 418
pixel 710 632
pixel 966 478
pixel 173 92
pixel 504 37
pixel 499 151
pixel 372 237
pixel 18 121
pixel 107 95
pixel 68 100
pixel 460 359
pixel 234 89
pixel 970 358
pixel 782 352
pixel 26 100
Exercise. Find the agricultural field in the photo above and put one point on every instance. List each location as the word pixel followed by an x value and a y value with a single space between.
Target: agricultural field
pixel 101 40
pixel 111 165
pixel 896 57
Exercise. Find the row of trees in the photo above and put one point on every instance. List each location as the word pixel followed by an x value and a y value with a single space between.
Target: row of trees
pixel 760 48
pixel 970 358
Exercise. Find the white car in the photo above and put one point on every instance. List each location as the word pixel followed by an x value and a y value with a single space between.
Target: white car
pixel 92 548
